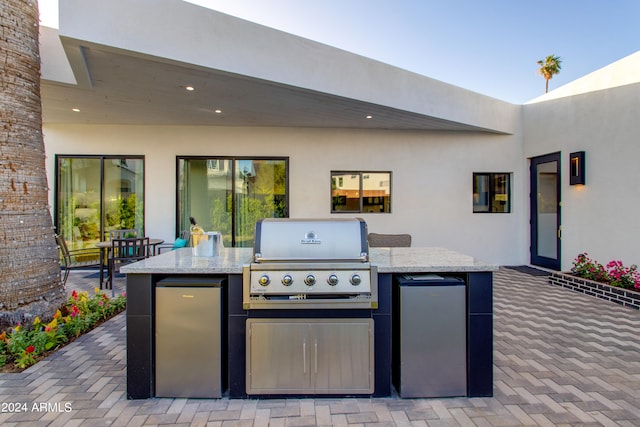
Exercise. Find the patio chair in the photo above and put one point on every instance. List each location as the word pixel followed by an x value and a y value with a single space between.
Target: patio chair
pixel 76 258
pixel 126 251
pixel 389 240
pixel 183 241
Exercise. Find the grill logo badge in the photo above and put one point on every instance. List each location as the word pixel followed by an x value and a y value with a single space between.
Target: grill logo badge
pixel 310 238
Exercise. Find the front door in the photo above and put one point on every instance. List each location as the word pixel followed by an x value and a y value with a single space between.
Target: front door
pixel 545 211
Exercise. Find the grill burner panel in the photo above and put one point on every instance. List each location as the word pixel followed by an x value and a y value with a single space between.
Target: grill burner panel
pixel 321 295
pixel 311 281
pixel 306 263
pixel 310 263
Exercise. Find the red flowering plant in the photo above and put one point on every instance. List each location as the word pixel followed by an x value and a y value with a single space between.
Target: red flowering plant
pixel 615 273
pixel 75 323
pixel 584 266
pixel 54 332
pixel 26 358
pixel 625 277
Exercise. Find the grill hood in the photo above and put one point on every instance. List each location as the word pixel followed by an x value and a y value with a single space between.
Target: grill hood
pixel 321 240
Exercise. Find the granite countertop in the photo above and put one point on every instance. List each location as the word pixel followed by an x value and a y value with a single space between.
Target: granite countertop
pixel 388 260
pixel 182 261
pixel 425 260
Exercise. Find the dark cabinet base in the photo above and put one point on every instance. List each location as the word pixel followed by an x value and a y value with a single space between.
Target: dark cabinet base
pixel 141 333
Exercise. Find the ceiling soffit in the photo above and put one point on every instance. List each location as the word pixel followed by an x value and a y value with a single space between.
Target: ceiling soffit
pixel 120 88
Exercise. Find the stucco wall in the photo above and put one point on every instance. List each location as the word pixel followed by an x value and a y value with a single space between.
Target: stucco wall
pixel 600 217
pixel 431 181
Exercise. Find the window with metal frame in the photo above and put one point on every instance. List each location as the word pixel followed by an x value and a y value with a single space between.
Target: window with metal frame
pixel 360 192
pixel 491 192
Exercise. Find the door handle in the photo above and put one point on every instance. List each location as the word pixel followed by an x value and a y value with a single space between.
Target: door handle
pixel 315 361
pixel 304 357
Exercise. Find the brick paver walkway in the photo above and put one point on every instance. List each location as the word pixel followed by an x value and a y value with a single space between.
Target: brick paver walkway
pixel 561 358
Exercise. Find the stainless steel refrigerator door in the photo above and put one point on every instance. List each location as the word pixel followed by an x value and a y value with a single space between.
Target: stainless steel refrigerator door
pixel 433 341
pixel 188 342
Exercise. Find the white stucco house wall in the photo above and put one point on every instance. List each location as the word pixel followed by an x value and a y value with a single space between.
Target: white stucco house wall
pixel 598 114
pixel 125 65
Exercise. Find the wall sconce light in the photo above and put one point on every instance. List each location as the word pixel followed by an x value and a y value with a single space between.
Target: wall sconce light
pixel 576 168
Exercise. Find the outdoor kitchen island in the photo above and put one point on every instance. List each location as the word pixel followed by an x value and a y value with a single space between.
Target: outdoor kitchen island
pixel 227 269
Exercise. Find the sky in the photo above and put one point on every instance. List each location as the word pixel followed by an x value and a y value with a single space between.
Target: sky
pixel 487 46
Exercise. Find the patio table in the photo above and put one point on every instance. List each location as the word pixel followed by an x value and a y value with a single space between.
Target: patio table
pixel 106 246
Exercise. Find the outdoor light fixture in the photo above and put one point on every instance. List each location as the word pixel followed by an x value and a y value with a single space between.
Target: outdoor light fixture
pixel 576 168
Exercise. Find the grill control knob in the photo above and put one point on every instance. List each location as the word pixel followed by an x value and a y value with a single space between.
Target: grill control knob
pixel 287 280
pixel 332 280
pixel 355 280
pixel 264 280
pixel 310 280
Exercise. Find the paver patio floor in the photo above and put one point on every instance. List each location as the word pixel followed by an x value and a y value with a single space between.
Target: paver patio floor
pixel 560 358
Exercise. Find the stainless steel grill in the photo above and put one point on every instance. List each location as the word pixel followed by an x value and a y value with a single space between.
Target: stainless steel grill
pixel 310 263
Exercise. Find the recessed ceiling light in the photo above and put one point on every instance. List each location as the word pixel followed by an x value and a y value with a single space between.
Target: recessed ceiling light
pixel 369 116
pixel 217 111
pixel 75 110
pixel 190 88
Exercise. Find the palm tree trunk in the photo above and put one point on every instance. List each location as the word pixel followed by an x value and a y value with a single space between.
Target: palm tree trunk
pixel 29 270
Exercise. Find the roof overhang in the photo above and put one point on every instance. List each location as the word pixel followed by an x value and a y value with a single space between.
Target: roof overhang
pixel 129 62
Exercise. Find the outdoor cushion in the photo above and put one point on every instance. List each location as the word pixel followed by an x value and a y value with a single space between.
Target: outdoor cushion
pixel 179 243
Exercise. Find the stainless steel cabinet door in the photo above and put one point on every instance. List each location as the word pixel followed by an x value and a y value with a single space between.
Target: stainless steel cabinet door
pixel 342 356
pixel 304 356
pixel 277 357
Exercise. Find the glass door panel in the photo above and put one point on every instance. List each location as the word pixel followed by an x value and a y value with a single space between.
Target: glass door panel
pixel 205 194
pixel 78 201
pixel 229 195
pixel 260 192
pixel 545 211
pixel 123 195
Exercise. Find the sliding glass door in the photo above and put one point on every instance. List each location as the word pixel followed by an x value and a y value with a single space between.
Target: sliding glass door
pixel 230 194
pixel 95 194
pixel 204 193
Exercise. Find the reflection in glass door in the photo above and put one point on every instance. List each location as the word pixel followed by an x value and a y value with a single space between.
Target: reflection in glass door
pixel 545 211
pixel 123 195
pixel 78 201
pixel 204 193
pixel 260 192
pixel 229 195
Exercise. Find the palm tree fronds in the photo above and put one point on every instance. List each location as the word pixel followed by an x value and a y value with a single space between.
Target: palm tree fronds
pixel 549 66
